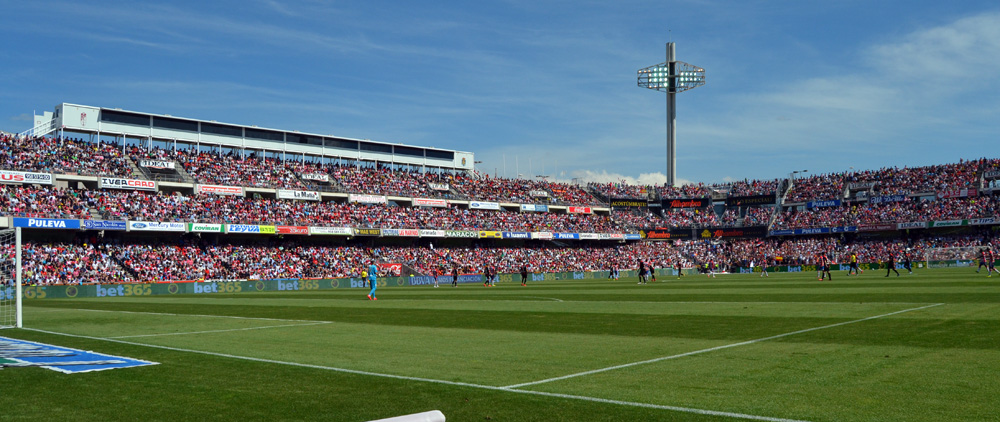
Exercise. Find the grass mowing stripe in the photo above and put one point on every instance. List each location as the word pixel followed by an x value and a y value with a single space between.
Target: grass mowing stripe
pixel 224 331
pixel 435 381
pixel 712 349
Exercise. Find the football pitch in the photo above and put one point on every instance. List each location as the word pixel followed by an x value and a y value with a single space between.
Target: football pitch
pixel 922 347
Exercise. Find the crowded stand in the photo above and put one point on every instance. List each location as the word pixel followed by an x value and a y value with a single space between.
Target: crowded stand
pixel 893 212
pixel 755 187
pixel 912 180
pixel 691 217
pixel 141 259
pixel 699 190
pixel 637 219
pixel 378 181
pixel 44 201
pixel 75 262
pixel 62 155
pixel 621 190
pixel 816 188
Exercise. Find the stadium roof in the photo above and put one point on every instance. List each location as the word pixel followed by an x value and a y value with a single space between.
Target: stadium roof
pixel 167 128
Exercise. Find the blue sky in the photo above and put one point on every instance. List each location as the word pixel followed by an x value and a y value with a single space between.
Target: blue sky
pixel 545 86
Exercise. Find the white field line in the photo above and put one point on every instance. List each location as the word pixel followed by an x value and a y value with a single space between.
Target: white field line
pixel 537 297
pixel 712 349
pixel 454 383
pixel 226 330
pixel 170 314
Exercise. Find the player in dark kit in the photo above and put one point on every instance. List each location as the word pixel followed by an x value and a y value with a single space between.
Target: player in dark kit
pixel 524 275
pixel 891 265
pixel 642 273
pixel 989 262
pixel 907 263
pixel 680 269
pixel 982 260
pixel 824 267
pixel 652 274
pixel 454 276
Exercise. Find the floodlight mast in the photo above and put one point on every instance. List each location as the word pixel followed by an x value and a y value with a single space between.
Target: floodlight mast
pixel 672 77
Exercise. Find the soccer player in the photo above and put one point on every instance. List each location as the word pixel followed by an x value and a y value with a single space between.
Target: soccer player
pixel 454 276
pixel 854 265
pixel 524 275
pixel 437 272
pixel 906 261
pixel 891 264
pixel 982 260
pixel 711 268
pixel 652 274
pixel 824 267
pixel 642 273
pixel 763 266
pixel 680 268
pixel 989 262
pixel 372 280
pixel 486 275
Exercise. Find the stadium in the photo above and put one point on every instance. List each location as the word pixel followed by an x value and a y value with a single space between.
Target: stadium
pixel 163 261
pixel 163 246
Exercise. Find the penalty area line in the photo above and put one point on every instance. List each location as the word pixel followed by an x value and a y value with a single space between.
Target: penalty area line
pixel 435 381
pixel 712 349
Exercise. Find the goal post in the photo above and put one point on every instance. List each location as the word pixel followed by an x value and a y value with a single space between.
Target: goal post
pixel 11 313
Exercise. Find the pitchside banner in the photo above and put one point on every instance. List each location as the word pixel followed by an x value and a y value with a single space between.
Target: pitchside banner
pixel 686 203
pixel 104 225
pixel 580 210
pixel 250 228
pixel 115 183
pixel 25 177
pixel 368 199
pixel 204 228
pixel 875 200
pixel 220 190
pixel 156 226
pixel 665 234
pixel 301 195
pixel 432 233
pixel 468 234
pixel 315 176
pixel 291 230
pixel 46 223
pixel 725 232
pixel 629 203
pixel 958 193
pixel 157 164
pixel 534 208
pixel 750 200
pixel 477 205
pixel 424 202
pixel 823 204
pixel 336 231
pixel 368 232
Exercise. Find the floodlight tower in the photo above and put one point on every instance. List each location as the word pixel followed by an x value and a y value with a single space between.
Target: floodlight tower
pixel 672 77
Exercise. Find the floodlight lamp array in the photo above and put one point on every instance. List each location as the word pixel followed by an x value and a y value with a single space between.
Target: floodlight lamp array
pixel 659 77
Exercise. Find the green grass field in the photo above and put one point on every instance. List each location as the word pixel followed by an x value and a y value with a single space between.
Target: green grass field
pixel 924 347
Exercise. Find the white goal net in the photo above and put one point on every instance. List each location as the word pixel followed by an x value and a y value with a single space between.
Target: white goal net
pixel 964 253
pixel 10 278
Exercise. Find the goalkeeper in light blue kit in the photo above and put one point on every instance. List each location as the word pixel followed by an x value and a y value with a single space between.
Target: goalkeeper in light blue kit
pixel 372 280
